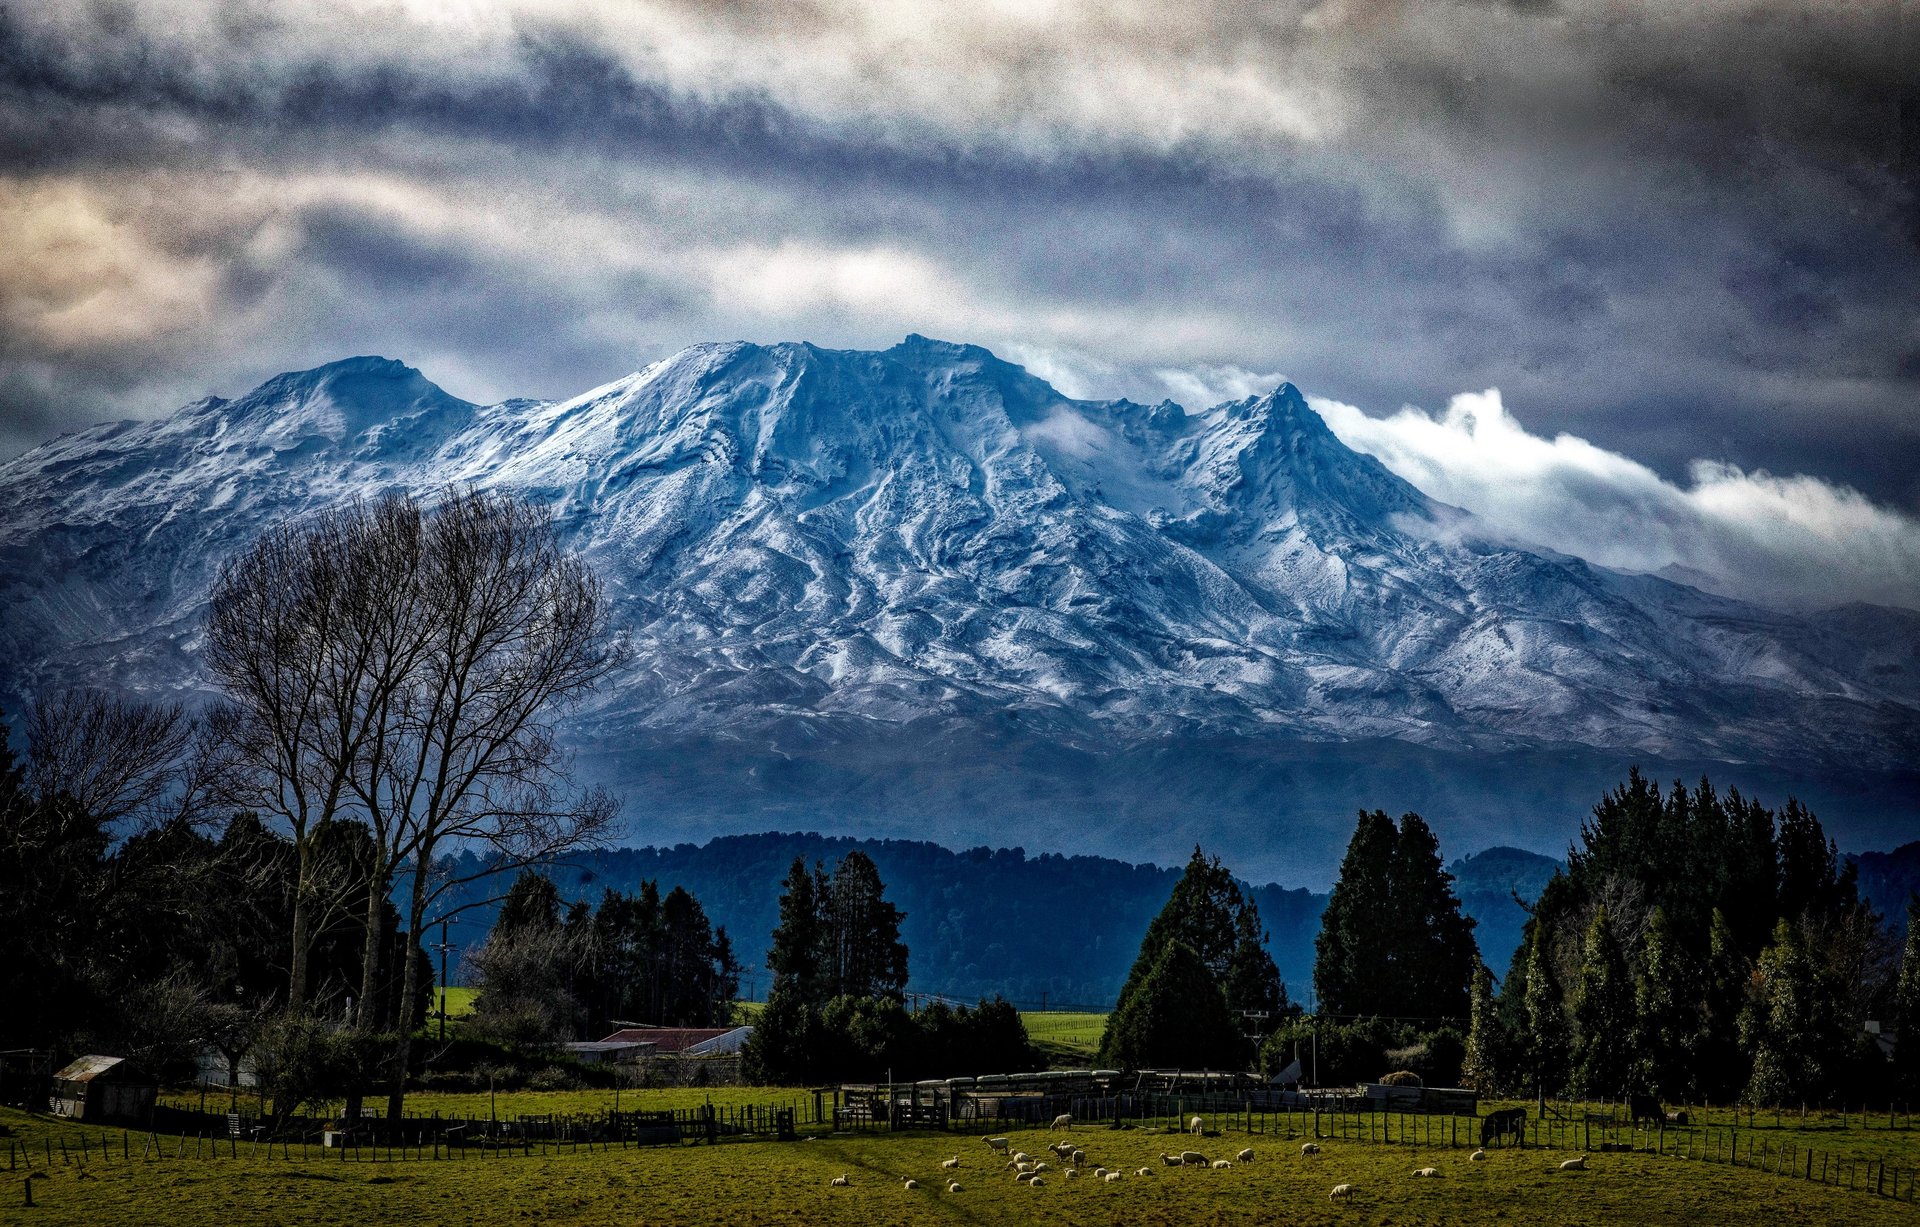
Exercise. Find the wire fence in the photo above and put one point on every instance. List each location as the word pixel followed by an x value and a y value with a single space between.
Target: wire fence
pixel 1352 1119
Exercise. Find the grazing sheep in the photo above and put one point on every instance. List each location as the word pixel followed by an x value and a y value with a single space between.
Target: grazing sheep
pixel 1036 1182
pixel 1429 1172
pixel 1062 1121
pixel 1196 1126
pixel 912 1183
pixel 1071 1173
pixel 1478 1156
pixel 1310 1148
pixel 1020 1156
pixel 1099 1173
pixel 1024 1166
pixel 1078 1158
pixel 999 1144
pixel 839 1182
pixel 1245 1156
pixel 1063 1149
pixel 1023 1177
pixel 1193 1158
pixel 950 1164
pixel 1169 1160
pixel 1575 1165
pixel 1341 1192
pixel 1043 1166
pixel 1143 1171
pixel 1012 1166
pixel 1112 1176
pixel 953 1186
pixel 1221 1165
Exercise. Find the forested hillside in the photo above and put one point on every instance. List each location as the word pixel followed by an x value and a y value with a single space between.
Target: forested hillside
pixel 978 922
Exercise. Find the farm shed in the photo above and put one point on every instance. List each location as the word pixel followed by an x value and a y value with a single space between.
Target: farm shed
pixel 102 1088
pixel 605 1052
pixel 684 1041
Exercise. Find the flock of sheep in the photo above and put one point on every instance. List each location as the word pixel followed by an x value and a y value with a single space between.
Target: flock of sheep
pixel 1033 1172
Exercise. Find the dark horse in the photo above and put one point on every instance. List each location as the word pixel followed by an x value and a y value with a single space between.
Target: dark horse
pixel 1496 1125
pixel 1646 1108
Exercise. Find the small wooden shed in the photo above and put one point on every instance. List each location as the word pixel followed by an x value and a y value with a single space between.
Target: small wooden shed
pixel 103 1088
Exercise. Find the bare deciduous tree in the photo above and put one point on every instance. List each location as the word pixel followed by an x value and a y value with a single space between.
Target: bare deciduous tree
pixel 404 666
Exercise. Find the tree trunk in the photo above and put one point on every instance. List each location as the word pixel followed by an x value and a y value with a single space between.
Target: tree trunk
pixel 302 921
pixel 367 1020
pixel 409 982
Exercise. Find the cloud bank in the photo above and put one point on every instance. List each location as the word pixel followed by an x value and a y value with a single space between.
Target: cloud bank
pixel 1677 232
pixel 1792 542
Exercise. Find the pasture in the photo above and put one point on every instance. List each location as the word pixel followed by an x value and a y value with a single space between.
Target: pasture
pixel 789 1183
pixel 1068 1039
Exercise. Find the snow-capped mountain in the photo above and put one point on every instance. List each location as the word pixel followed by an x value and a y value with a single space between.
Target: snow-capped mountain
pixel 921 584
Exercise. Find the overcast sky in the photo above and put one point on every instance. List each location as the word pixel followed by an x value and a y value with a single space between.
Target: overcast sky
pixel 1645 274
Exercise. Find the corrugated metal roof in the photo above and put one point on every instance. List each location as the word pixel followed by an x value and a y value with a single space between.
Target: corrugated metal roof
pixel 87 1068
pixel 668 1039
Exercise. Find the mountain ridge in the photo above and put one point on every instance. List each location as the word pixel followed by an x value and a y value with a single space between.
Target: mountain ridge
pixel 925 553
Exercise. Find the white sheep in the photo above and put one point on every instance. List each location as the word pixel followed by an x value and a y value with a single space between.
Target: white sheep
pixel 950 1164
pixel 1071 1173
pixel 1245 1156
pixel 1022 1177
pixel 953 1186
pixel 1024 1166
pixel 1221 1165
pixel 1062 1121
pixel 1193 1158
pixel 1078 1158
pixel 1429 1172
pixel 999 1144
pixel 1575 1165
pixel 1169 1160
pixel 1341 1192
pixel 1196 1126
pixel 1309 1148
pixel 1099 1173
pixel 1143 1171
pixel 1020 1156
pixel 839 1182
pixel 1036 1182
pixel 1478 1156
pixel 1112 1176
pixel 912 1183
pixel 1043 1166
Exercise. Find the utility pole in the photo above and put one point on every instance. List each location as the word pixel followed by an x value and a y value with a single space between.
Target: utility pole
pixel 443 947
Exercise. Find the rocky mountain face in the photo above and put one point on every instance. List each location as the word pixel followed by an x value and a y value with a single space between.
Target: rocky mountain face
pixel 920 592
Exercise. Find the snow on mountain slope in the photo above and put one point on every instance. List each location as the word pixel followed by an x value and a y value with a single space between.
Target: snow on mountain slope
pixel 805 535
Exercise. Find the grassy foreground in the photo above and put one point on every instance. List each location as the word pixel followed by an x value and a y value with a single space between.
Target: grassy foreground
pixel 775 1183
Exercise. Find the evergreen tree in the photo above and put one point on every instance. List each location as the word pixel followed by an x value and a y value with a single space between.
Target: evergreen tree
pixel 1725 1064
pixel 1790 1025
pixel 1252 982
pixel 1176 1017
pixel 1906 1006
pixel 1667 1018
pixel 532 904
pixel 1435 953
pixel 1545 1040
pixel 1603 1014
pixel 800 937
pixel 1353 969
pixel 1392 939
pixel 865 956
pixel 1483 1069
pixel 1209 913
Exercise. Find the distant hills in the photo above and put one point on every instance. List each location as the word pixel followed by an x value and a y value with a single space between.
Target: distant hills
pixel 998 920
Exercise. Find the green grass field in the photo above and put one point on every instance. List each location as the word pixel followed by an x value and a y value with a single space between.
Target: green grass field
pixel 776 1183
pixel 1067 1039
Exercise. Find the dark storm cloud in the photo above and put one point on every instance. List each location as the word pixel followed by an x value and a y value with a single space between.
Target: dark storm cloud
pixel 1682 236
